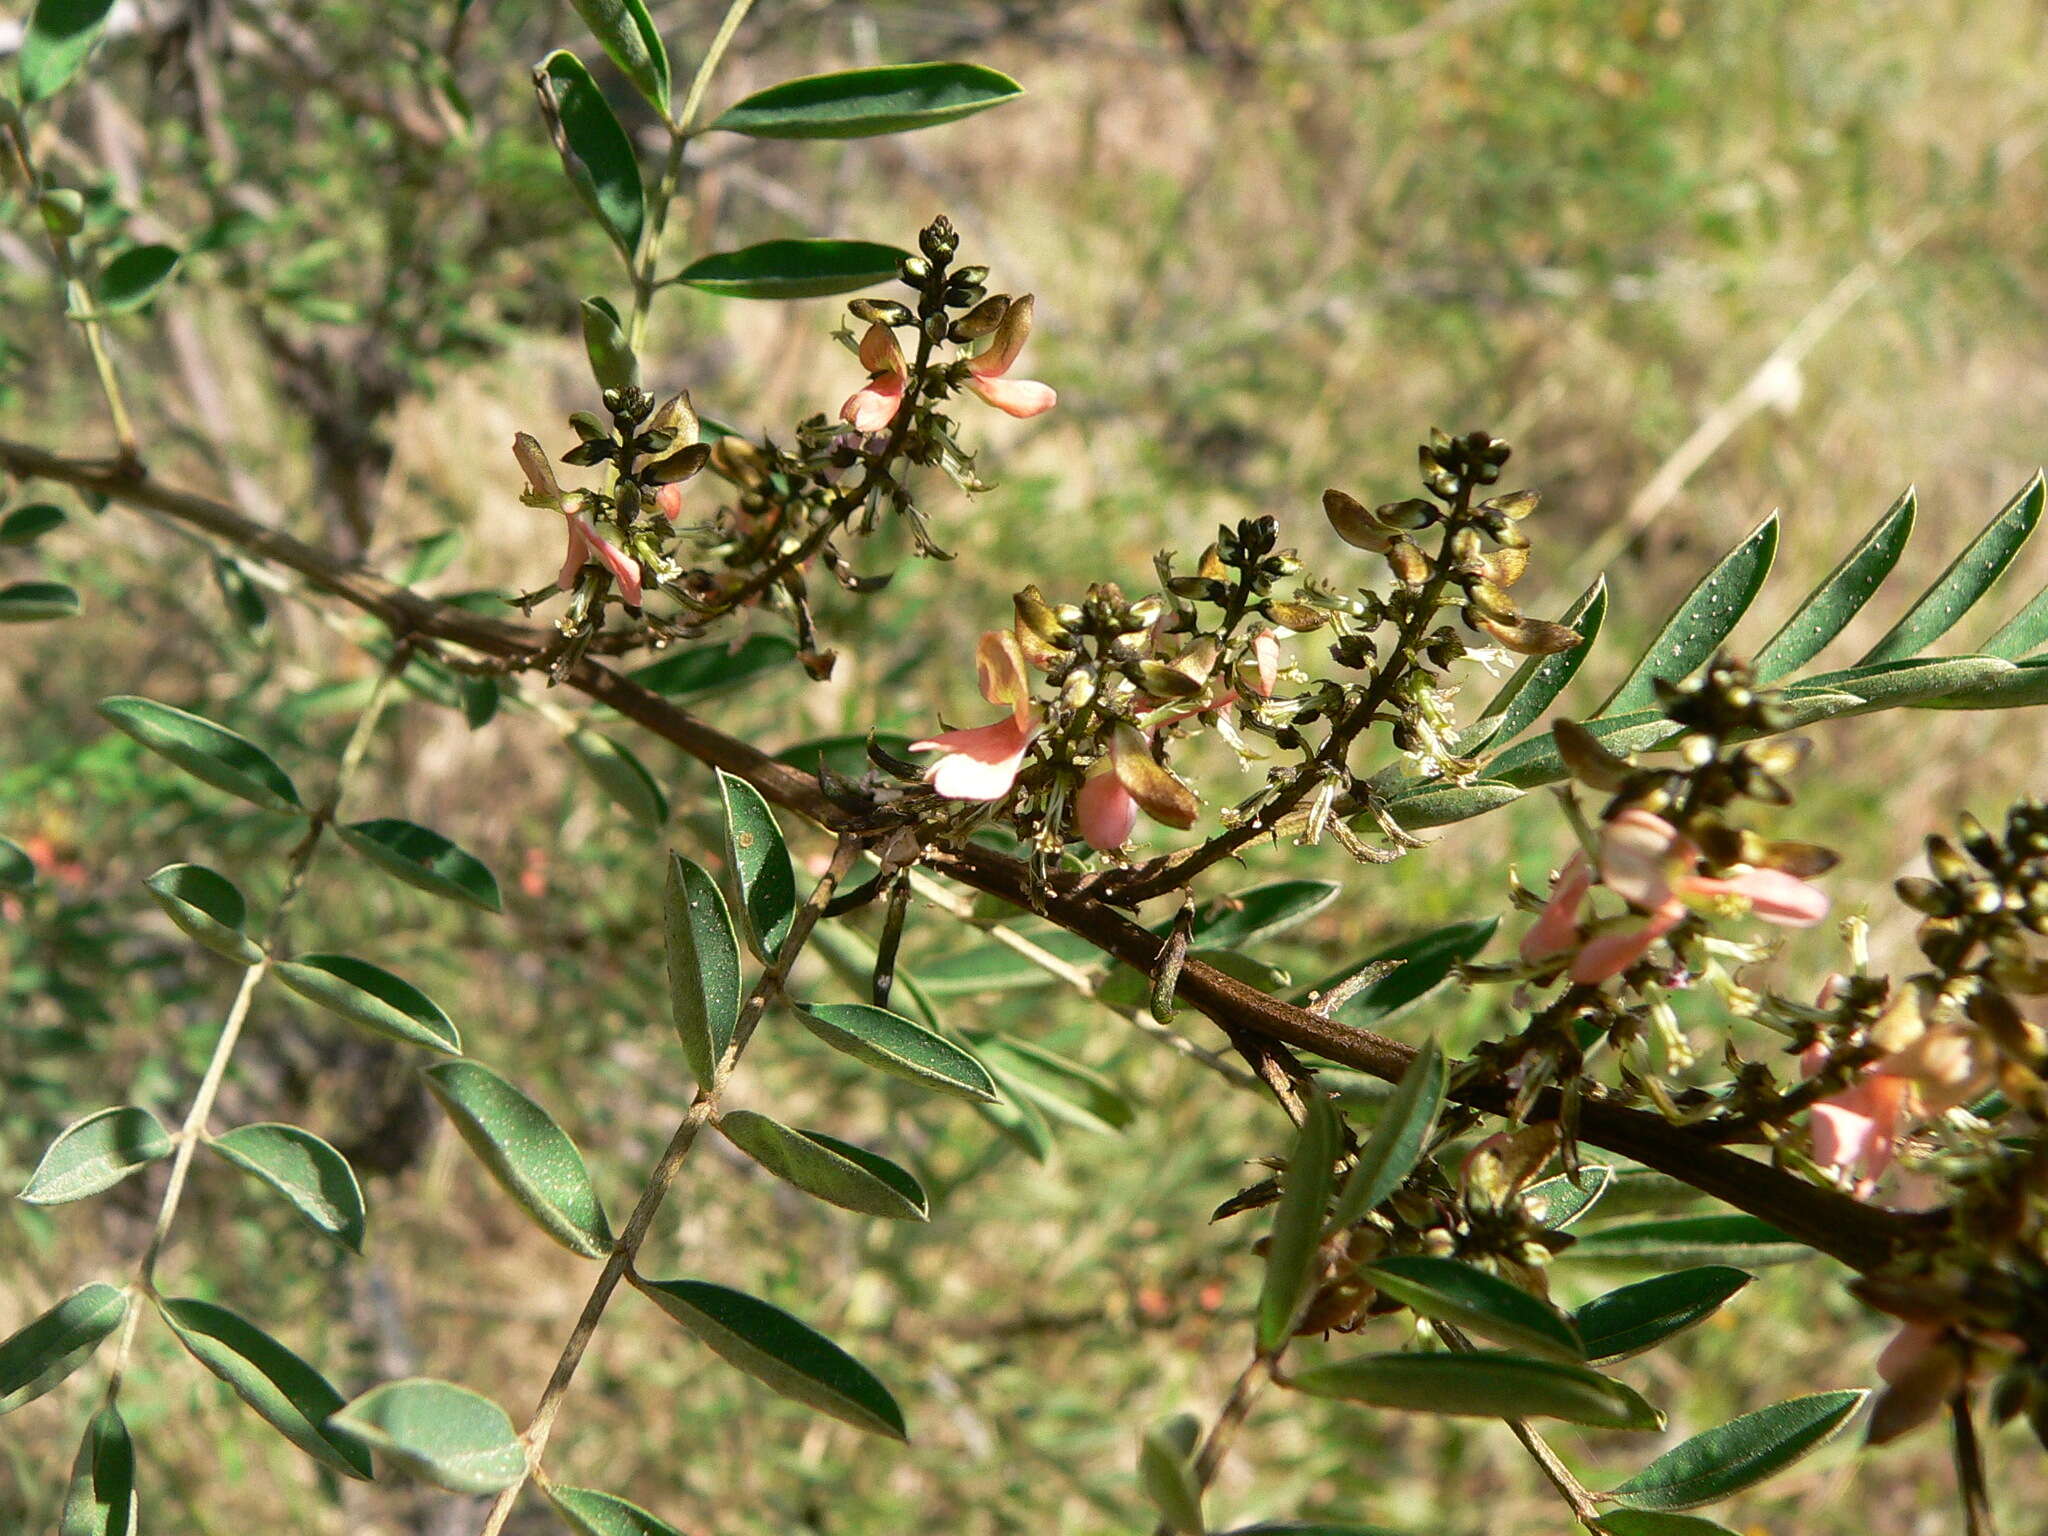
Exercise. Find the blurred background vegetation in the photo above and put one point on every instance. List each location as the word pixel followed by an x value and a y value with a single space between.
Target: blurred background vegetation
pixel 1273 241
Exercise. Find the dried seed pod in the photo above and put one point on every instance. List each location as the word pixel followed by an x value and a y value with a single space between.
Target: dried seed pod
pixel 1490 600
pixel 1504 567
pixel 678 466
pixel 984 318
pixel 1299 617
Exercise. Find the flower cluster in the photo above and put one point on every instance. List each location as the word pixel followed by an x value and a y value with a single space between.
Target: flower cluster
pixel 790 504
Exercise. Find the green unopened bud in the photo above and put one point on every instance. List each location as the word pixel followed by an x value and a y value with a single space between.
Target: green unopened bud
pixel 63 211
pixel 590 427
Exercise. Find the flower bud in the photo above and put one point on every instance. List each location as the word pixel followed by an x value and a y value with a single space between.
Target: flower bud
pixel 984 318
pixel 1587 759
pixel 1158 792
pixel 1525 636
pixel 1489 599
pixel 1409 564
pixel 881 312
pixel 678 466
pixel 1355 526
pixel 676 416
pixel 542 489
pixel 590 427
pixel 1515 505
pixel 1299 617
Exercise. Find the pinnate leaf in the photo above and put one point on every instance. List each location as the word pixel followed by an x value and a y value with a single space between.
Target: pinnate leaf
pixel 35 1358
pixel 315 1178
pixel 292 1397
pixel 1735 1455
pixel 703 966
pixel 893 1044
pixel 596 153
pixel 1398 1137
pixel 591 1513
pixel 1827 609
pixel 835 1171
pixel 859 103
pixel 1482 1383
pixel 96 1153
pixel 450 1436
pixel 100 1499
pixel 760 863
pixel 423 858
pixel 1463 1294
pixel 211 753
pixel 372 997
pixel 782 1353
pixel 1956 591
pixel 1297 1231
pixel 1707 616
pixel 793 269
pixel 526 1152
pixel 207 907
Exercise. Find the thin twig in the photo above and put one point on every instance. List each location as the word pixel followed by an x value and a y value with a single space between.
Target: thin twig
pixel 619 1263
pixel 1569 1487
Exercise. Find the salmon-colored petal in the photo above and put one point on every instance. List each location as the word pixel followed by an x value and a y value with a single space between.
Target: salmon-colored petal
pixel 1773 895
pixel 981 762
pixel 1907 1346
pixel 875 404
pixel 1857 1130
pixel 668 501
pixel 578 553
pixel 1023 398
pixel 880 351
pixel 1609 954
pixel 1266 661
pixel 1638 852
pixel 999 669
pixel 624 571
pixel 1556 930
pixel 1105 812
pixel 1001 353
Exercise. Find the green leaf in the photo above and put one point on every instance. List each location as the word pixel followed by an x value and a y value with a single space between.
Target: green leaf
pixel 207 907
pixel 590 1513
pixel 703 669
pixel 526 1152
pixel 626 32
pixel 893 1044
pixel 703 966
pixel 1438 805
pixel 286 1392
pixel 315 1178
pixel 24 525
pixel 859 103
pixel 1538 681
pixel 60 34
pixel 1695 631
pixel 2024 686
pixel 1828 608
pixel 1891 685
pixel 244 599
pixel 1017 1115
pixel 1645 1522
pixel 96 1153
pixel 1692 1240
pixel 17 869
pixel 211 753
pixel 428 557
pixel 835 1171
pixel 1637 1317
pixel 36 602
pixel 1391 1152
pixel 612 361
pixel 132 278
pixel 368 995
pixel 37 1357
pixel 1233 921
pixel 622 776
pixel 1472 1298
pixel 997 968
pixel 1423 963
pixel 1298 1223
pixel 423 858
pixel 596 153
pixel 1482 1383
pixel 1065 1090
pixel 2027 630
pixel 1563 1200
pixel 780 1352
pixel 760 863
pixel 794 269
pixel 100 1500
pixel 449 1435
pixel 1967 579
pixel 1166 1468
pixel 1743 1451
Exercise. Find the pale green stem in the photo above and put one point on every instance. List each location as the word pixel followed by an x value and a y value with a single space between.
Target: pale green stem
pixel 681 130
pixel 619 1263
pixel 193 1131
pixel 78 306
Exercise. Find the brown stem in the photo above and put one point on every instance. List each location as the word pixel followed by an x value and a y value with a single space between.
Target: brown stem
pixel 618 1264
pixel 1861 1236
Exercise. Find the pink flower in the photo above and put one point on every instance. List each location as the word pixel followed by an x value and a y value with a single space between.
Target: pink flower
pixel 986 372
pixel 1857 1130
pixel 1652 866
pixel 585 544
pixel 875 404
pixel 982 762
pixel 1105 811
pixel 1266 659
pixel 668 500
